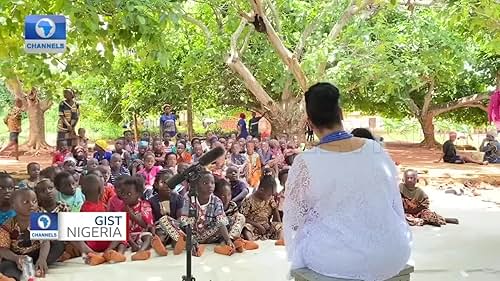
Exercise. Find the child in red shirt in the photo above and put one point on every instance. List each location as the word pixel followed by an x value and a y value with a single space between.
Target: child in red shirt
pixel 92 187
pixel 140 225
pixel 61 153
pixel 109 191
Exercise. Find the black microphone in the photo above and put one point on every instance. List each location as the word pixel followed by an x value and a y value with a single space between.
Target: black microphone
pixel 206 159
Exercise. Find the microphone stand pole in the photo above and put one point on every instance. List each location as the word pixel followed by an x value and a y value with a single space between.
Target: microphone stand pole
pixel 192 217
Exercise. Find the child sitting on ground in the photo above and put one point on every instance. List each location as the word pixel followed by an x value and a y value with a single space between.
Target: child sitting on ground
pixel 101 153
pixel 50 173
pixel 61 153
pixel 113 251
pixel 171 162
pixel 117 168
pixel 6 189
pixel 83 141
pixel 165 202
pixel 210 220
pixel 149 173
pixel 140 219
pixel 15 239
pixel 261 213
pixel 159 152
pixel 33 169
pixel 68 192
pixel 46 194
pixel 108 190
pixel 182 188
pixel 124 154
pixel 416 203
pixel 236 219
pixel 69 165
pixel 280 197
pixel 239 188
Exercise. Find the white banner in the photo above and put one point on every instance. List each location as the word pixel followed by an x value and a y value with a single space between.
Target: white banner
pixel 89 226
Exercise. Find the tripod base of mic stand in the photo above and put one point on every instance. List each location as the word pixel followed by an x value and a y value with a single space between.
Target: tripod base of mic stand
pixel 184 278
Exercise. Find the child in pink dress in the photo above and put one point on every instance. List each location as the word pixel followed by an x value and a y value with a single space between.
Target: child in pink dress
pixel 149 173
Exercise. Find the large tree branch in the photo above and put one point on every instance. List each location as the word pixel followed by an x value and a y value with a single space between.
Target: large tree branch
pixel 468 101
pixel 285 55
pixel 346 16
pixel 251 83
pixel 201 25
pixel 16 88
pixel 275 13
pixel 45 105
pixel 428 96
pixel 413 107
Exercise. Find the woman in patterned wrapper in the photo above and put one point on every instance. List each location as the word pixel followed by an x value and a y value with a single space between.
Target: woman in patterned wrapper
pixel 342 204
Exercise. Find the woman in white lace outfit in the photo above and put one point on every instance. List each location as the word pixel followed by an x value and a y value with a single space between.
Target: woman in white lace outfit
pixel 343 215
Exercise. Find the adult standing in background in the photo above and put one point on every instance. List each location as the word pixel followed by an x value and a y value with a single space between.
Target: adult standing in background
pixel 168 122
pixel 253 125
pixel 69 114
pixel 13 122
pixel 343 216
pixel 242 127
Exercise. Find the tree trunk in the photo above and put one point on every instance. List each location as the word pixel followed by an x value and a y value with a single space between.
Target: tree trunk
pixel 190 116
pixel 426 122
pixel 36 117
pixel 136 128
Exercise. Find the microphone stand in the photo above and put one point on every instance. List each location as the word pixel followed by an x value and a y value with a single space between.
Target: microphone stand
pixel 192 215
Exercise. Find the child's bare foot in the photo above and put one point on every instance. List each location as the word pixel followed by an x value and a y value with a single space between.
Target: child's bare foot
pixel 158 246
pixel 180 245
pixel 64 257
pixel 239 244
pixel 94 259
pixel 280 242
pixel 250 245
pixel 224 250
pixel 141 255
pixel 200 249
pixel 113 256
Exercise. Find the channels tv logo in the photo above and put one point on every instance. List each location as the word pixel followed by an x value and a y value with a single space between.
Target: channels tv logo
pixel 44 226
pixel 45 34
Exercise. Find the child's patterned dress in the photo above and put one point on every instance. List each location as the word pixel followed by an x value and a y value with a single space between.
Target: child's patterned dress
pixel 261 212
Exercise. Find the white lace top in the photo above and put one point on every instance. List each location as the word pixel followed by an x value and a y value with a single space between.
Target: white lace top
pixel 343 215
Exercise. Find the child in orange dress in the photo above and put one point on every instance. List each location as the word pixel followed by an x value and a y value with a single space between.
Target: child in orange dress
pixel 261 212
pixel 254 166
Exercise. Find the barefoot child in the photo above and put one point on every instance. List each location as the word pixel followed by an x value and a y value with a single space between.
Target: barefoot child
pixel 15 239
pixel 33 169
pixel 6 189
pixel 46 194
pixel 211 221
pixel 416 203
pixel 92 187
pixel 68 192
pixel 140 218
pixel 261 212
pixel 236 219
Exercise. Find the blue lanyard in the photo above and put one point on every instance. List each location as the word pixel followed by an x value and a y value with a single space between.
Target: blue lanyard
pixel 335 136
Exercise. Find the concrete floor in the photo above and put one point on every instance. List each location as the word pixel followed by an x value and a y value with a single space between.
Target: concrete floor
pixel 469 251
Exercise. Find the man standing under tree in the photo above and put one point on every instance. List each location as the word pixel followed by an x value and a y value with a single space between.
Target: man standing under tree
pixel 253 124
pixel 69 114
pixel 13 122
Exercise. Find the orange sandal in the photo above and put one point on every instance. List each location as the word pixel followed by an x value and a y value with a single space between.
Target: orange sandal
pixel 224 250
pixel 141 256
pixel 158 246
pixel 180 245
pixel 113 256
pixel 94 259
pixel 250 245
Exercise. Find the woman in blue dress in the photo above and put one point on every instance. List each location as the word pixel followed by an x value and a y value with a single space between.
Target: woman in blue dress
pixel 242 127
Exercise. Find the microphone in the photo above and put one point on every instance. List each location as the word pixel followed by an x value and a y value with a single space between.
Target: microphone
pixel 191 171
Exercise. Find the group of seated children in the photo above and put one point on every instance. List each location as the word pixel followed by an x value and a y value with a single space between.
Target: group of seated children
pixel 157 214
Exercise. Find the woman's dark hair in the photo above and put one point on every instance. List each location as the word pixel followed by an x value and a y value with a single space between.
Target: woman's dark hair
pixel 322 105
pixel 60 177
pixel 219 184
pixel 363 133
pixel 267 183
pixel 243 116
pixel 137 182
